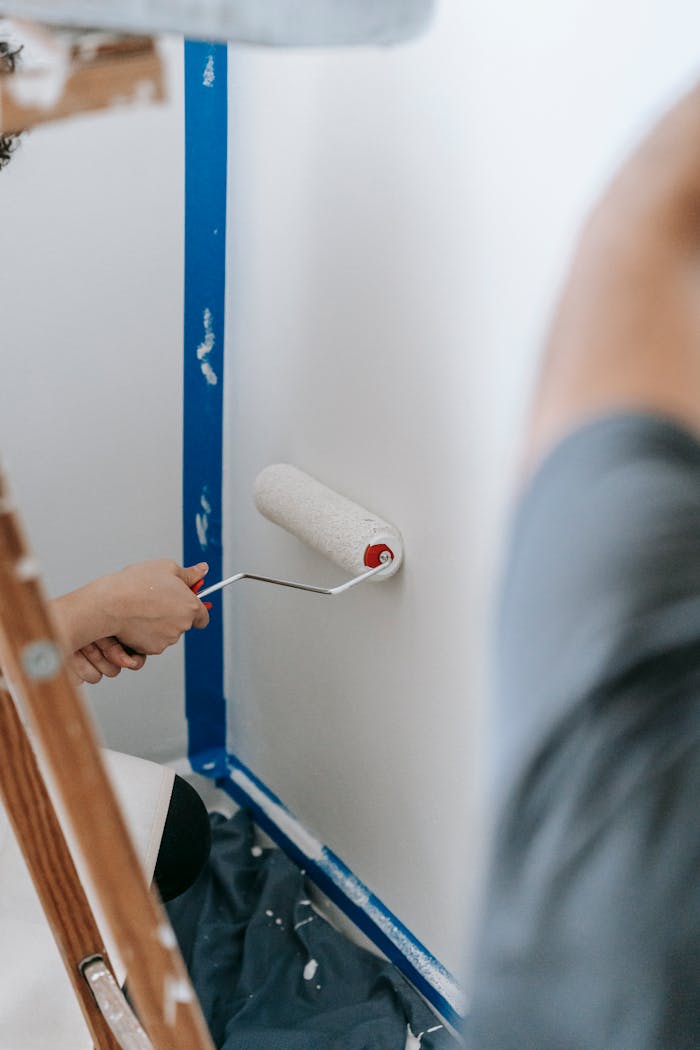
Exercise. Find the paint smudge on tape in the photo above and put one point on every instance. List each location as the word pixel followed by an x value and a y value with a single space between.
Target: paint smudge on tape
pixel 281 817
pixel 201 520
pixel 209 74
pixel 205 348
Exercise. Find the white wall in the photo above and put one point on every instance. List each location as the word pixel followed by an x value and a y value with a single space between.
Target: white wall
pixel 91 349
pixel 398 224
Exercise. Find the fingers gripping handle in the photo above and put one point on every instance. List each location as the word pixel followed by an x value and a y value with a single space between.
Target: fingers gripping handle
pixel 196 588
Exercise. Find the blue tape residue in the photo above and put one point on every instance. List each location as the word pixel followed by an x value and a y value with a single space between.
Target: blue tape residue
pixel 336 880
pixel 206 127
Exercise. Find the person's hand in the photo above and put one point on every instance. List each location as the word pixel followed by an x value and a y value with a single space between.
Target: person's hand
pixel 143 608
pixel 104 657
pixel 151 604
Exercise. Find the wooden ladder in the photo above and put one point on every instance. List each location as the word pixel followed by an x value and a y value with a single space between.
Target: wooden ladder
pixel 32 670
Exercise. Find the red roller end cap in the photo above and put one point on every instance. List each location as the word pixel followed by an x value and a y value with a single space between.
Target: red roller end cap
pixel 372 555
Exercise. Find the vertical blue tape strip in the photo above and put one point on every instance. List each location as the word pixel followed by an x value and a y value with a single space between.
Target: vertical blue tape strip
pixel 206 126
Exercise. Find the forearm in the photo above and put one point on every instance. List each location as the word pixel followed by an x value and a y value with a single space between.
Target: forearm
pixel 659 183
pixel 85 615
pixel 626 332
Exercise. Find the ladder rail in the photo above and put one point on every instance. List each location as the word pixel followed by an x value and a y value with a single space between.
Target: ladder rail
pixel 31 654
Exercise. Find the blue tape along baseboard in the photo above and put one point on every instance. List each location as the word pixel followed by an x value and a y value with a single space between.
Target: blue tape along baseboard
pixel 336 880
pixel 206 127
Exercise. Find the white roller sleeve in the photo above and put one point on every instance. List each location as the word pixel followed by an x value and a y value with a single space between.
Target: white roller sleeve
pixel 325 520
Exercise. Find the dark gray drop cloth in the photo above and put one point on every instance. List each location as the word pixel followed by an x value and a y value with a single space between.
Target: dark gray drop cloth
pixel 248 934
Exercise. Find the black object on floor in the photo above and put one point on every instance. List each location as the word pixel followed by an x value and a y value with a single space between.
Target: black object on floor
pixel 271 974
pixel 184 846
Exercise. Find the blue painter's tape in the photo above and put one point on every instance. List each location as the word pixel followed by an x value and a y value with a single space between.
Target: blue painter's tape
pixel 206 126
pixel 336 880
pixel 206 118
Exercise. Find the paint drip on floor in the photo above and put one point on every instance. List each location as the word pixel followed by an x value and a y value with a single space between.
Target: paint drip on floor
pixel 415 1042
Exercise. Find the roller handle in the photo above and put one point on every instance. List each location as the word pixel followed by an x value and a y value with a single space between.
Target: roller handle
pixel 349 535
pixel 196 588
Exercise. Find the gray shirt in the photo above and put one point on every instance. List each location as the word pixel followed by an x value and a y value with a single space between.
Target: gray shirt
pixel 591 920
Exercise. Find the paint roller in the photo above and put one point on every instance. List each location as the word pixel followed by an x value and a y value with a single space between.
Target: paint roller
pixel 349 535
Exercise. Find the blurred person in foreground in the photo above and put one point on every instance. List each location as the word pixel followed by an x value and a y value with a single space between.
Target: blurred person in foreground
pixel 590 929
